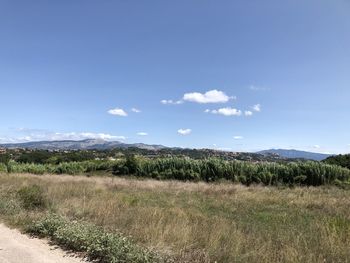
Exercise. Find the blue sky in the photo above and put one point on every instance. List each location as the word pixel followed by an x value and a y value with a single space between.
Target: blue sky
pixel 241 75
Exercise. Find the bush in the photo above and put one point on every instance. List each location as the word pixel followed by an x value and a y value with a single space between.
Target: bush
pixel 99 245
pixel 131 164
pixel 3 168
pixel 72 168
pixel 47 226
pixel 14 167
pixel 32 197
pixel 341 160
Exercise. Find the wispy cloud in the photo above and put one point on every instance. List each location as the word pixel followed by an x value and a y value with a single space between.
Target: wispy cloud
pixel 257 107
pixel 135 110
pixel 142 133
pixel 248 113
pixel 5 140
pixel 211 96
pixel 316 146
pixel 184 131
pixel 58 136
pixel 118 112
pixel 171 102
pixel 238 137
pixel 86 135
pixel 227 111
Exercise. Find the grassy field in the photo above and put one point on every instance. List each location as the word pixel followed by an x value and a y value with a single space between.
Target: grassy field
pixel 194 222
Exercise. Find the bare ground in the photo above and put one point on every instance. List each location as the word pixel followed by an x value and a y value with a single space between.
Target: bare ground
pixel 19 248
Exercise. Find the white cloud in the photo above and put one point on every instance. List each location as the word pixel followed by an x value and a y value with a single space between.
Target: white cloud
pixel 317 146
pixel 142 133
pixel 171 102
pixel 135 110
pixel 25 138
pixel 257 107
pixel 118 112
pixel 84 135
pixel 8 140
pixel 238 137
pixel 227 111
pixel 58 136
pixel 212 96
pixel 184 131
pixel 248 113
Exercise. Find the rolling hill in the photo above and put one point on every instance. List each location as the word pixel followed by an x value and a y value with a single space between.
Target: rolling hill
pixel 88 144
pixel 295 154
pixel 99 144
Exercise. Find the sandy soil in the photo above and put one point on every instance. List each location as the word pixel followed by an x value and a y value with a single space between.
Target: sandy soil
pixel 19 248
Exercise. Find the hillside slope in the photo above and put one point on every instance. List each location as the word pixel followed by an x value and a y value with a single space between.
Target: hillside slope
pixel 88 144
pixel 295 154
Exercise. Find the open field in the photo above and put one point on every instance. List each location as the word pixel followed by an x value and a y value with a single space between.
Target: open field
pixel 194 222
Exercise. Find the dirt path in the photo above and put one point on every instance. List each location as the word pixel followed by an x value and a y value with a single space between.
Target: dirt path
pixel 19 248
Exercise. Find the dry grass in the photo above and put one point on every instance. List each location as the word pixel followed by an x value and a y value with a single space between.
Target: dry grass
pixel 199 222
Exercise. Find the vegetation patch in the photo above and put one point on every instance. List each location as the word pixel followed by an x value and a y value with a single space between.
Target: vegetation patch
pixel 32 197
pixel 209 170
pixel 98 244
pixel 341 160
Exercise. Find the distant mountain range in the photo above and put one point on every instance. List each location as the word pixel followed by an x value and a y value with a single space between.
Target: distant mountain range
pixel 295 154
pixel 99 144
pixel 88 144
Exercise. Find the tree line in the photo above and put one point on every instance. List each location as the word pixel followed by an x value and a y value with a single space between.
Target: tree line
pixel 341 160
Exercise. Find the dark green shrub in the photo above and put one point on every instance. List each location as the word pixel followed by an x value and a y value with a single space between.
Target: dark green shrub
pixel 119 168
pixel 131 164
pixel 32 197
pixel 47 226
pixel 341 160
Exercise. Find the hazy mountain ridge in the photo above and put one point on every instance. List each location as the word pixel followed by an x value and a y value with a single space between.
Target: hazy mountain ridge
pixel 296 154
pixel 88 144
pixel 99 144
